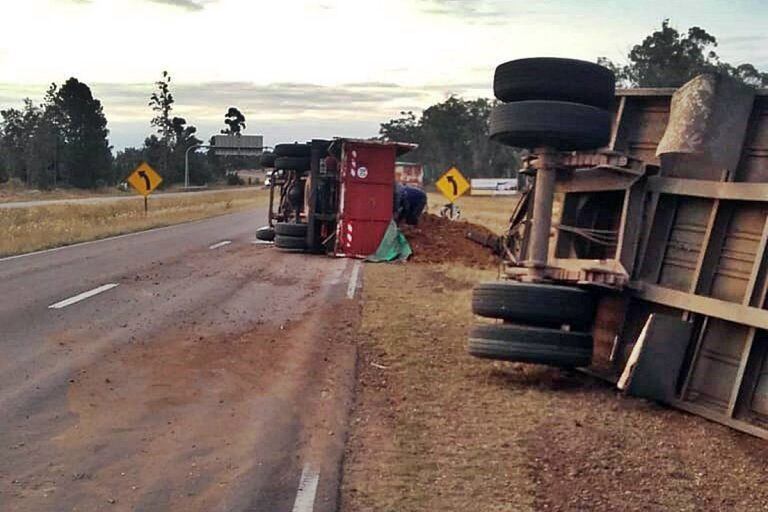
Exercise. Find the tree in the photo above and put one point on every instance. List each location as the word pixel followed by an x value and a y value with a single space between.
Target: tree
pixel 667 58
pixel 402 129
pixel 77 119
pixel 41 156
pixel 16 126
pixel 162 102
pixel 127 160
pixel 235 121
pixel 28 145
pixel 453 133
pixel 183 138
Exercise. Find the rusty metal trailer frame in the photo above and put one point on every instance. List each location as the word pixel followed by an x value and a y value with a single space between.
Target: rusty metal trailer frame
pixel 690 248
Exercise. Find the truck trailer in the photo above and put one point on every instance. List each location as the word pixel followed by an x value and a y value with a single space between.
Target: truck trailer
pixel 639 254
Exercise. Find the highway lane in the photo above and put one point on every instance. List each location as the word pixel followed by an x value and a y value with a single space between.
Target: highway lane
pixel 205 375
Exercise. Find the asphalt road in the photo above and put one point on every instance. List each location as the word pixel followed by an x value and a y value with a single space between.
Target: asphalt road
pixel 184 368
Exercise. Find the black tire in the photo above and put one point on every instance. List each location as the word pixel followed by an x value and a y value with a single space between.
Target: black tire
pixel 535 345
pixel 296 150
pixel 265 234
pixel 534 304
pixel 267 160
pixel 291 229
pixel 291 243
pixel 556 80
pixel 292 163
pixel 557 124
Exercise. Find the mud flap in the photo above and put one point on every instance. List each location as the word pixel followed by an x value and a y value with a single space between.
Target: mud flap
pixel 654 364
pixel 707 124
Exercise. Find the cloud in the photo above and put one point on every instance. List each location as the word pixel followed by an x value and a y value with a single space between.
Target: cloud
pixel 278 100
pixel 189 5
pixel 486 12
pixel 282 111
pixel 755 38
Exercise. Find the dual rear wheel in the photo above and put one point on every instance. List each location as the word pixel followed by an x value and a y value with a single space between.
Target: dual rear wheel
pixel 559 103
pixel 291 236
pixel 542 324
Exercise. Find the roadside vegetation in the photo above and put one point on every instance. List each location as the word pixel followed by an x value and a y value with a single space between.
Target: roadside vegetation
pixel 435 429
pixel 42 227
pixel 13 191
pixel 64 142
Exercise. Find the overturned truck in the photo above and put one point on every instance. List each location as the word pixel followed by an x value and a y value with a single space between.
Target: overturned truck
pixel 331 196
pixel 643 259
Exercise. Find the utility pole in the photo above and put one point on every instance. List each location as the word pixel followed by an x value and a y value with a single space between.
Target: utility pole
pixel 186 161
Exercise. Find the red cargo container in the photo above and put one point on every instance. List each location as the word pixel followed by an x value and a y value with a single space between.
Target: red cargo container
pixel 366 195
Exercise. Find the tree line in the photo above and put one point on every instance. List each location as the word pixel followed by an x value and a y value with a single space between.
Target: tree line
pixel 454 132
pixel 64 141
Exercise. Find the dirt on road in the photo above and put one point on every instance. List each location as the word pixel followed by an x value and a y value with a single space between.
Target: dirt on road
pixel 434 429
pixel 217 410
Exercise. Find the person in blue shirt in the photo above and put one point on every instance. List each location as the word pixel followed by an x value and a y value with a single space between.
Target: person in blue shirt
pixel 409 204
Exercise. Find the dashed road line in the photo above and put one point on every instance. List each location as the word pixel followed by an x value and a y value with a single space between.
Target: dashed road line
pixel 305 497
pixel 353 280
pixel 83 296
pixel 220 244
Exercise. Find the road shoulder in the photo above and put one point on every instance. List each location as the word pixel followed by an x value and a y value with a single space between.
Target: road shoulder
pixel 434 429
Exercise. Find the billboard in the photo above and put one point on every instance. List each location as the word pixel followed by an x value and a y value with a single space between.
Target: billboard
pixel 494 187
pixel 238 145
pixel 409 173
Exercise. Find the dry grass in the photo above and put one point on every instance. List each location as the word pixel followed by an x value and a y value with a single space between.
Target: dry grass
pixel 42 227
pixel 421 436
pixel 435 429
pixel 488 211
pixel 13 192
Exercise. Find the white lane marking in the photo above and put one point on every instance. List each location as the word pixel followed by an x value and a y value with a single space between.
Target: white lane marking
pixel 353 280
pixel 335 278
pixel 305 497
pixel 262 242
pixel 220 244
pixel 83 296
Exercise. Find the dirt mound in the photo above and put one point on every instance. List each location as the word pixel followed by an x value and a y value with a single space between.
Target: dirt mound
pixel 439 240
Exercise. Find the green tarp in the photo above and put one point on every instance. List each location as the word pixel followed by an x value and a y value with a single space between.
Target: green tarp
pixel 394 246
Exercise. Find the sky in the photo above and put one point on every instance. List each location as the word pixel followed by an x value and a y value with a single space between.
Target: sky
pixel 300 69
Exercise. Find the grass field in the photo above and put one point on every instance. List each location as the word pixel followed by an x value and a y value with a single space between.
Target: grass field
pixel 42 227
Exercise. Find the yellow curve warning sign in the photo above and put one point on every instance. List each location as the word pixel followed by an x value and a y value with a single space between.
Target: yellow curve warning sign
pixel 452 184
pixel 144 179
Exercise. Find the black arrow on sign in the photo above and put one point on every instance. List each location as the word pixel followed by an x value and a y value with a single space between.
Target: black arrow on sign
pixel 452 181
pixel 147 182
